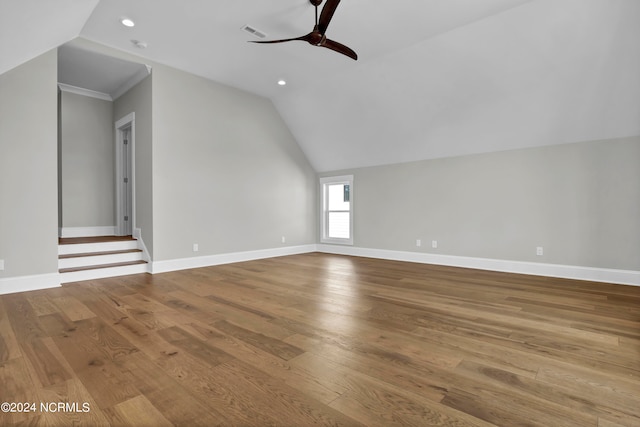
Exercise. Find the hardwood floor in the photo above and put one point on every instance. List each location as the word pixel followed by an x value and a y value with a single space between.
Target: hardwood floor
pixel 320 339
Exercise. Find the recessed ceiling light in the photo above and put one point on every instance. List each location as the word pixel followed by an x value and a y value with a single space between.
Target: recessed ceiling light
pixel 282 82
pixel 127 22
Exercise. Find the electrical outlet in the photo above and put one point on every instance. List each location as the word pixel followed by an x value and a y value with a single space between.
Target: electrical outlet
pixel 434 244
pixel 1 264
pixel 195 247
pixel 418 242
pixel 284 240
pixel 539 251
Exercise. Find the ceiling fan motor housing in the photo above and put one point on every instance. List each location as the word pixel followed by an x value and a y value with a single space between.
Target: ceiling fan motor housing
pixel 316 38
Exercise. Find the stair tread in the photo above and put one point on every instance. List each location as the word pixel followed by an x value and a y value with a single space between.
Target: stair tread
pixel 87 254
pixel 95 267
pixel 96 239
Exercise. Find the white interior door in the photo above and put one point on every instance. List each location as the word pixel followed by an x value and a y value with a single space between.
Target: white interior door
pixel 125 172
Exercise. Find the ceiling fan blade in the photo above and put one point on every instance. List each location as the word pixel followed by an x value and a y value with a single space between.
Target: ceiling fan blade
pixel 340 48
pixel 305 38
pixel 327 13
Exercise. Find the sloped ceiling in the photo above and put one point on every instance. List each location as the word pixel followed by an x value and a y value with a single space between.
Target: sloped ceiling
pixel 434 78
pixel 547 72
pixel 29 28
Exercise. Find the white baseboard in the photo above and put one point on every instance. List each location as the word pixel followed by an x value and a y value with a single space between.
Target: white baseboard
pixel 109 230
pixel 10 285
pixel 626 277
pixel 210 260
pixel 623 277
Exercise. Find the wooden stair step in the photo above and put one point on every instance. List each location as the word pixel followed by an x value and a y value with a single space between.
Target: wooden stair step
pixel 96 239
pixel 86 254
pixel 95 267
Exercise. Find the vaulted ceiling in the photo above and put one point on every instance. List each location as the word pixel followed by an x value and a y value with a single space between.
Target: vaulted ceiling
pixel 434 78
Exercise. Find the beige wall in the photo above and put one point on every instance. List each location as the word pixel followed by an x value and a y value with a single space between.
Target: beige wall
pixel 580 202
pixel 88 168
pixel 28 168
pixel 227 173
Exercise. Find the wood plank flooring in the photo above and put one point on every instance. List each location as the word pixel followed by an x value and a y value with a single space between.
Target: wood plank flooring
pixel 320 339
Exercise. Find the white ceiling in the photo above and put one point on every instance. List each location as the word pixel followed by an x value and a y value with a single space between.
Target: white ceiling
pixel 434 78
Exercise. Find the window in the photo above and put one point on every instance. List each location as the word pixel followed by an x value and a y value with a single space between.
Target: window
pixel 337 209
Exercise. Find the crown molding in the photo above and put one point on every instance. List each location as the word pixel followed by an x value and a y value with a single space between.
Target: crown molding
pixel 84 92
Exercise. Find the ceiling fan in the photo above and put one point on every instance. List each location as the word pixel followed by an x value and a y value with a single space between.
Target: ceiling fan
pixel 317 37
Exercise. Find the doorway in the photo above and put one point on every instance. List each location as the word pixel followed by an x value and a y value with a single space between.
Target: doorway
pixel 125 173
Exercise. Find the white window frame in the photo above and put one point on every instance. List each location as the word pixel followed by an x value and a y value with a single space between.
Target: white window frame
pixel 324 212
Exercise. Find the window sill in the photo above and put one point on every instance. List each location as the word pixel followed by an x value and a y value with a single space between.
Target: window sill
pixel 344 242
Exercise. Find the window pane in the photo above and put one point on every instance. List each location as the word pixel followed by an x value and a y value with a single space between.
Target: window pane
pixel 339 225
pixel 337 197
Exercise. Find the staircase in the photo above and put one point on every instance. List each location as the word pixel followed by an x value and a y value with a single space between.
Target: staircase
pixel 87 258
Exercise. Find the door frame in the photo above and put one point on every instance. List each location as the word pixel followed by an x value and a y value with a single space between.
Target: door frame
pixel 127 121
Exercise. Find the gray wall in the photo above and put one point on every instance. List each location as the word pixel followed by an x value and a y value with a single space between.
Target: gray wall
pixel 579 201
pixel 88 168
pixel 138 100
pixel 28 168
pixel 227 173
